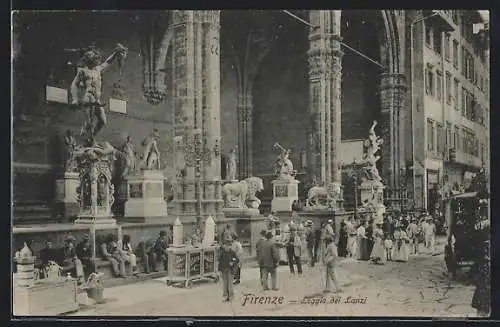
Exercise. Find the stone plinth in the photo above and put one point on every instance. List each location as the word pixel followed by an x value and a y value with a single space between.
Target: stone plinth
pixel 145 196
pixel 240 212
pixel 66 200
pixel 285 191
pixel 372 192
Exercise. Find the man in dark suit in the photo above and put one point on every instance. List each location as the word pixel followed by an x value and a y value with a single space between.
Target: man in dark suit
pixel 268 262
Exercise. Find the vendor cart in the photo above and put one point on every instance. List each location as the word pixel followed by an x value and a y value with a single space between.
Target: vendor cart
pixel 465 215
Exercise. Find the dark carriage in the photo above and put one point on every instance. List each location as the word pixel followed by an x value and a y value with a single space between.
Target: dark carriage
pixel 467 220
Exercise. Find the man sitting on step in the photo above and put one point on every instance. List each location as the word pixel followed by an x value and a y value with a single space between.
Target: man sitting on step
pixel 111 252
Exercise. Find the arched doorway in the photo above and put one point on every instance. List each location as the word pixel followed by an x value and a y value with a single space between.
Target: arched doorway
pixel 371 92
pixel 264 88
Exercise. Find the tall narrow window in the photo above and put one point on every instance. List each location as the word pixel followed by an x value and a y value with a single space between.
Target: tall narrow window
pixel 457 94
pixel 440 141
pixel 448 88
pixel 430 135
pixel 429 82
pixel 447 46
pixel 428 35
pixel 455 54
pixel 438 41
pixel 457 139
pixel 464 101
pixel 439 85
pixel 449 140
pixel 464 62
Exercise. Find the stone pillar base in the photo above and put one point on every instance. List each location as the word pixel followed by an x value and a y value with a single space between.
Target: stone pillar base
pixel 285 191
pixel 240 212
pixel 145 196
pixel 65 204
pixel 372 192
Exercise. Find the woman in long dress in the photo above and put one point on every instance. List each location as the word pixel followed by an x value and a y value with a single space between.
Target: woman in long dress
pixel 342 248
pixel 362 245
pixel 378 255
pixel 400 250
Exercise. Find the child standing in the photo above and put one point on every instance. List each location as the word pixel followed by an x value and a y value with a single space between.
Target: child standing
pixel 330 259
pixel 388 248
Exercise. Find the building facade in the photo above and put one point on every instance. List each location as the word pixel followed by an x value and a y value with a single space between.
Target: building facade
pixel 211 81
pixel 451 98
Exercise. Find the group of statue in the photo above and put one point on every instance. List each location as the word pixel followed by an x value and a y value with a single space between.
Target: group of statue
pixel 150 159
pixel 283 167
pixel 85 93
pixel 371 146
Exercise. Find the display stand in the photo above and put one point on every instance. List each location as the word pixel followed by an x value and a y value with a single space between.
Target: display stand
pixel 46 298
pixel 189 263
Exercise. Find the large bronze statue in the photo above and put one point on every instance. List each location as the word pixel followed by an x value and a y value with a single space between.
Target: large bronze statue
pixel 86 88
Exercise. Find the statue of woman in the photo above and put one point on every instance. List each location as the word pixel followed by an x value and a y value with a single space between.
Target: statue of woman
pixel 128 151
pixel 283 165
pixel 231 165
pixel 151 156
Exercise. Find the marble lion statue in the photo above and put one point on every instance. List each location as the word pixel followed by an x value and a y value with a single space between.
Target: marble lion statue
pixel 321 196
pixel 316 196
pixel 238 194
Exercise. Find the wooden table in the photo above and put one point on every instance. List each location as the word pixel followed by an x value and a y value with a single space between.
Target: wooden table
pixel 189 263
pixel 45 298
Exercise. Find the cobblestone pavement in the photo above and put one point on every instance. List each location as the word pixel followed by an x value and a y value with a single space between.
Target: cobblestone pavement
pixel 418 287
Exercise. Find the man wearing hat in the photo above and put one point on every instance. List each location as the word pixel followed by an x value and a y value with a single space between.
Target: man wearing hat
pixel 429 230
pixel 84 253
pixel 228 262
pixel 71 263
pixel 293 246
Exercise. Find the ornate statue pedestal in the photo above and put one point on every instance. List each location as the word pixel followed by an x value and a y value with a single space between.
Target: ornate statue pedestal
pixel 95 192
pixel 66 201
pixel 145 196
pixel 285 191
pixel 373 192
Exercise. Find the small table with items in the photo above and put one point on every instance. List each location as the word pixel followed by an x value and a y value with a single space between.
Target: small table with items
pixel 188 263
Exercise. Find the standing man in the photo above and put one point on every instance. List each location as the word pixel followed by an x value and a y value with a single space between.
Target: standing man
pixel 227 263
pixel 412 232
pixel 268 262
pixel 259 245
pixel 430 236
pixel 294 251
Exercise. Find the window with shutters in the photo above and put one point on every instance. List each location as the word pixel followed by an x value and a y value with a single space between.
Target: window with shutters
pixel 457 139
pixel 457 94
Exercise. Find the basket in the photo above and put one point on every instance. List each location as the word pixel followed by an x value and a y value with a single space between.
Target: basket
pixel 94 288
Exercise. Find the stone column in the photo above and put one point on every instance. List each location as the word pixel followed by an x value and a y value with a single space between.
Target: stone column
pixel 392 93
pixel 245 135
pixel 197 112
pixel 325 64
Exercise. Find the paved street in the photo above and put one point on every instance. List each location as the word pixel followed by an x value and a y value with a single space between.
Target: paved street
pixel 415 288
